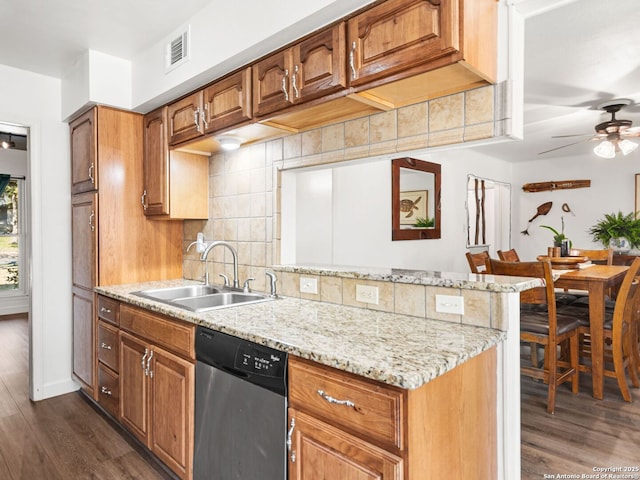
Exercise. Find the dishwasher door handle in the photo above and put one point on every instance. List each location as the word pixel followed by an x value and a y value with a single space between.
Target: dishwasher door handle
pixel 292 454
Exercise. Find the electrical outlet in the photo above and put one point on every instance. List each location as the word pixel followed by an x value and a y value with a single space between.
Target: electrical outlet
pixel 367 294
pixel 308 285
pixel 450 304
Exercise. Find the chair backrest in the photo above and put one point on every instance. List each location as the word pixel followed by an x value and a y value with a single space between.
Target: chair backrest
pixel 477 261
pixel 508 255
pixel 540 295
pixel 603 257
pixel 627 303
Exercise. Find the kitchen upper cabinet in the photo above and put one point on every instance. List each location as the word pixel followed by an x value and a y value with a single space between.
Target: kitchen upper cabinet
pixel 186 119
pixel 319 450
pixel 402 38
pixel 176 183
pixel 84 171
pixel 227 102
pixel 312 68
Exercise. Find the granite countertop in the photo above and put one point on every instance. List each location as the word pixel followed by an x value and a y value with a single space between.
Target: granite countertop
pixel 468 281
pixel 395 349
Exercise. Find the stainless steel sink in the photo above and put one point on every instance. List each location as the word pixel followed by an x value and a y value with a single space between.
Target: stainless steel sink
pixel 200 298
pixel 171 293
pixel 219 300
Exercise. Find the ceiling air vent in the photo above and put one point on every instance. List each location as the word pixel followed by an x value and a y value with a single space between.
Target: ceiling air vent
pixel 177 50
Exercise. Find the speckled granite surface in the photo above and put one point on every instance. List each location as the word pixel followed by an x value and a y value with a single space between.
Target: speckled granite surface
pixel 468 281
pixel 396 349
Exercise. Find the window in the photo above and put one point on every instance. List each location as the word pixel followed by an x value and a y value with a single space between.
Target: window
pixel 12 268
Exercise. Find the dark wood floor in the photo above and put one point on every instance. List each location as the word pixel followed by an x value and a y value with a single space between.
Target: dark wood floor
pixel 59 438
pixel 582 434
pixel 66 438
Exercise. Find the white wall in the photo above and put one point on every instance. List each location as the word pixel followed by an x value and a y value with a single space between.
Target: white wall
pixel 34 101
pixel 612 190
pixel 361 214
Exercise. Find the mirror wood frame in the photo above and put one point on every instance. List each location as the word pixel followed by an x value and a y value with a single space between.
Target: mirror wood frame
pixel 398 233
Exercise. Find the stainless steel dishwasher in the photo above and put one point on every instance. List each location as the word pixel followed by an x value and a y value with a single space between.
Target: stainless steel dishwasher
pixel 241 409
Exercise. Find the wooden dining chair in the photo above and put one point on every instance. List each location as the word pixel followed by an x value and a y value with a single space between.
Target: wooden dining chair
pixel 508 255
pixel 541 324
pixel 477 261
pixel 620 334
pixel 603 257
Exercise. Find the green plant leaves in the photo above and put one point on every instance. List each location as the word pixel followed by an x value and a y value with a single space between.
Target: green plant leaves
pixel 614 225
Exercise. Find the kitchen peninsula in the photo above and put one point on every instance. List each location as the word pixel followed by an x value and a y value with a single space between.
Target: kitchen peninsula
pixel 447 386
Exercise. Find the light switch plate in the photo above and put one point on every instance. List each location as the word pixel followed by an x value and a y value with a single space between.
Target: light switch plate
pixel 308 285
pixel 450 304
pixel 367 294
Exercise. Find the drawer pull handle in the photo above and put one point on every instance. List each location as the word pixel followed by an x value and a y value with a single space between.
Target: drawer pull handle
pixel 105 310
pixel 105 346
pixel 105 390
pixel 330 399
pixel 289 440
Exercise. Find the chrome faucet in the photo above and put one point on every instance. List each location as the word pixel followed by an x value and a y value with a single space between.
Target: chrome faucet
pixel 210 246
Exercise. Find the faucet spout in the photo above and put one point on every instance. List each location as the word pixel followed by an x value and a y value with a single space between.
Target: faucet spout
pixel 203 257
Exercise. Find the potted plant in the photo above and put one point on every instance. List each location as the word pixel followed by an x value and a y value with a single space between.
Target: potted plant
pixel 558 237
pixel 425 222
pixel 618 231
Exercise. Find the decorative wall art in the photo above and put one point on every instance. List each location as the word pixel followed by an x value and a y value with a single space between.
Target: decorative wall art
pixel 413 205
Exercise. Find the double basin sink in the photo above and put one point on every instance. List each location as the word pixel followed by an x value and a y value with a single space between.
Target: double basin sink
pixel 201 298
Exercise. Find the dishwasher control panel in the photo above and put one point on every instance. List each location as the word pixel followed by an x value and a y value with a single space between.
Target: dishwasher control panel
pixel 261 361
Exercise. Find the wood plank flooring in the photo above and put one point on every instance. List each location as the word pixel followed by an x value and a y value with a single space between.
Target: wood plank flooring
pixel 59 438
pixel 66 438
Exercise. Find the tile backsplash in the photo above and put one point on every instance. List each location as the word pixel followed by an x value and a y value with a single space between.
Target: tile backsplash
pixel 244 195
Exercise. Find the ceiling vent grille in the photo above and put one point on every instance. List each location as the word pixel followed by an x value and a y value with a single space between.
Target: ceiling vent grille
pixel 177 50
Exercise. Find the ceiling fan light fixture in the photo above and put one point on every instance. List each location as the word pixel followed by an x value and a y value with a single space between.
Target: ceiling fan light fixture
pixel 605 149
pixel 627 146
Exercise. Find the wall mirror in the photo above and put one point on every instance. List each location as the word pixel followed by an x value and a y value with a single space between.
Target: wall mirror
pixel 488 214
pixel 415 194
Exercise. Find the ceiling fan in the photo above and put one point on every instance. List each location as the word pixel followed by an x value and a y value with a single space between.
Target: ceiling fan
pixel 613 134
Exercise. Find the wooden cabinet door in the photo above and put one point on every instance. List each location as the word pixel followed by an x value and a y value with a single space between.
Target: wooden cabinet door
pixel 84 169
pixel 155 196
pixel 185 119
pixel 319 66
pixel 321 451
pixel 271 83
pixel 227 103
pixel 84 231
pixel 84 338
pixel 172 401
pixel 400 34
pixel 134 400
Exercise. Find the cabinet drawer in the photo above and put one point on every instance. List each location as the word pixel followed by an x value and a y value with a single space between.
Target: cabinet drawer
pixel 374 411
pixel 171 334
pixel 108 345
pixel 108 390
pixel 109 309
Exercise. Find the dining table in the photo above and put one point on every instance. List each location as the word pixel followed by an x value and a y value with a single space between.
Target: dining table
pixel 597 280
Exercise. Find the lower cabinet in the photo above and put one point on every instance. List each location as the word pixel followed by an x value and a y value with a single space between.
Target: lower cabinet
pixel 319 450
pixel 156 401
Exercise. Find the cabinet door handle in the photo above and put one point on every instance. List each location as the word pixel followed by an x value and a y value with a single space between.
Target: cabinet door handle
pixel 105 310
pixel 294 81
pixel 148 371
pixel 352 61
pixel 146 352
pixel 91 169
pixel 143 200
pixel 91 218
pixel 105 390
pixel 292 454
pixel 205 115
pixel 105 346
pixel 330 399
pixel 284 85
pixel 196 119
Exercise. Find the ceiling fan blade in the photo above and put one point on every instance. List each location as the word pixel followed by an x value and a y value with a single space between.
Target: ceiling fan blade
pixel 564 146
pixel 577 135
